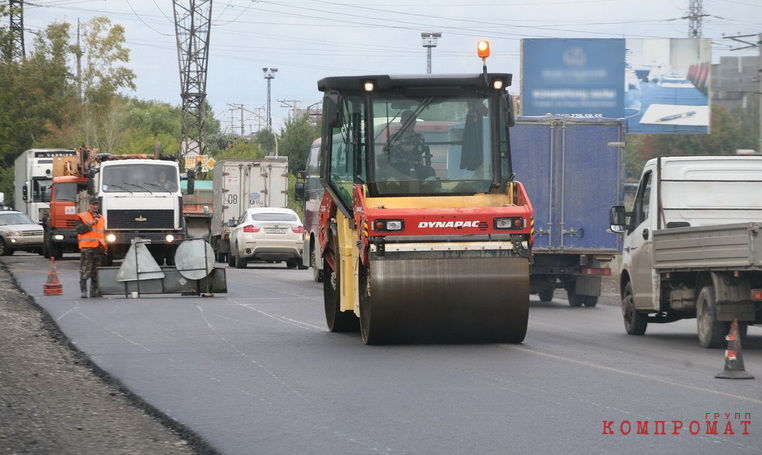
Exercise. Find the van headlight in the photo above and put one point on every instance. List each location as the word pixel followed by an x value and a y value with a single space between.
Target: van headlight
pixel 111 238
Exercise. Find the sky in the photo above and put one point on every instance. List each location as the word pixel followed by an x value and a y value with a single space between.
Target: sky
pixel 311 39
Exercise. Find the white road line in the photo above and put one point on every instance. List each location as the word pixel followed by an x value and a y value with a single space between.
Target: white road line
pixel 630 373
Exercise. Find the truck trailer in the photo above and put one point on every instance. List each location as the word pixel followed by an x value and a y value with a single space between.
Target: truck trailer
pixel 693 245
pixel 423 232
pixel 574 170
pixel 33 179
pixel 240 184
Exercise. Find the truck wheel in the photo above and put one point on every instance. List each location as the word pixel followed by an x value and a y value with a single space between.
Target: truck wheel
pixel 711 332
pixel 317 275
pixel 635 323
pixel 169 257
pixel 574 299
pixel 337 320
pixel 546 295
pixel 591 301
pixel 55 250
pixel 240 263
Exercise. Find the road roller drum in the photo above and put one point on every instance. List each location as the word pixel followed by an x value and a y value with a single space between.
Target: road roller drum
pixel 465 296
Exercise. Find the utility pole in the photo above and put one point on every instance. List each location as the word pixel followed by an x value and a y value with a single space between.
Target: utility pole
pixel 695 13
pixel 79 66
pixel 269 74
pixel 292 104
pixel 17 29
pixel 192 29
pixel 429 42
pixel 240 107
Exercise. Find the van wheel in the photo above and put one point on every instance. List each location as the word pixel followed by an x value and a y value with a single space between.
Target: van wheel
pixel 635 323
pixel 711 332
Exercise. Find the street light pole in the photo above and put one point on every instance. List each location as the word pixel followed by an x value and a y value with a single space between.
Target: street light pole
pixel 269 75
pixel 429 41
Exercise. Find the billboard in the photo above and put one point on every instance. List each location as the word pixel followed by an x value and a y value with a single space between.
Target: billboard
pixel 581 78
pixel 667 85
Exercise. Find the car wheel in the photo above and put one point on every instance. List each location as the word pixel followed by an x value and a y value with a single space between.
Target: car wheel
pixel 4 250
pixel 240 263
pixel 231 258
pixel 292 264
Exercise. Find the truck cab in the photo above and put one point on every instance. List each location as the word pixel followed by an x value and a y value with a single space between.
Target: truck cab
pixel 140 198
pixel 61 221
pixel 690 245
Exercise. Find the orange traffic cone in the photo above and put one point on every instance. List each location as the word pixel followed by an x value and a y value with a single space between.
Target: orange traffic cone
pixel 734 368
pixel 53 286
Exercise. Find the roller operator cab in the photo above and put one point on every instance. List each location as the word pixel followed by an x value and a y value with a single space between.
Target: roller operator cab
pixel 423 232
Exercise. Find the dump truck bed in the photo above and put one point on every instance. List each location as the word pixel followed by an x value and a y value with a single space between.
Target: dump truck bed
pixel 721 247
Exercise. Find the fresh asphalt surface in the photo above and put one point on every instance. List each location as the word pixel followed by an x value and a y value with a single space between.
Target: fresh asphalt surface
pixel 255 371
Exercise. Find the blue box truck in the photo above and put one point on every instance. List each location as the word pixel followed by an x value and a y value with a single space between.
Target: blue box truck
pixel 573 170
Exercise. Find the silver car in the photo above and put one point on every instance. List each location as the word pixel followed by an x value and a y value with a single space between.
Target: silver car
pixel 19 232
pixel 267 234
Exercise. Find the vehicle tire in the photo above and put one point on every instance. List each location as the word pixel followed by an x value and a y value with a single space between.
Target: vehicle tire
pixel 240 263
pixel 317 275
pixel 546 295
pixel 55 251
pixel 4 250
pixel 221 257
pixel 231 258
pixel 292 263
pixel 46 247
pixel 591 301
pixel 169 257
pixel 108 260
pixel 337 320
pixel 635 323
pixel 574 299
pixel 711 332
pixel 368 336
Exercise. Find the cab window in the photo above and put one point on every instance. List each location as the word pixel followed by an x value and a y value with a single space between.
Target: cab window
pixel 642 205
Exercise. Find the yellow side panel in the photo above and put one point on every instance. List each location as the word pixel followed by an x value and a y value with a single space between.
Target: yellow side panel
pixel 348 257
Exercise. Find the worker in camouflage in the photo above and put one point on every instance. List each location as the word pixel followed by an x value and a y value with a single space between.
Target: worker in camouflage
pixel 92 247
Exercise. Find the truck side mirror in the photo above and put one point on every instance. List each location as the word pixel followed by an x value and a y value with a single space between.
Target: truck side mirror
pixel 232 223
pixel 332 110
pixel 506 102
pixel 299 187
pixel 25 191
pixel 617 219
pixel 44 193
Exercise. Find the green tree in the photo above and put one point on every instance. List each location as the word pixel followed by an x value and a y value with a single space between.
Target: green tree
pixel 242 148
pixel 296 137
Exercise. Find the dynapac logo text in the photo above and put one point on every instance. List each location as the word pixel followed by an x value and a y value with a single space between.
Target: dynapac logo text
pixel 447 224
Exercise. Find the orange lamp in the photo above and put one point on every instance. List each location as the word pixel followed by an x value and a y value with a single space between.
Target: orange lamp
pixel 483 49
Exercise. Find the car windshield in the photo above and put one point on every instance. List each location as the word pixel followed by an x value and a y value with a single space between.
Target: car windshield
pixel 14 218
pixel 264 216
pixel 139 178
pixel 431 146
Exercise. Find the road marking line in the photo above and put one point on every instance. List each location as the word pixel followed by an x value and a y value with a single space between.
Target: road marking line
pixel 630 373
pixel 289 321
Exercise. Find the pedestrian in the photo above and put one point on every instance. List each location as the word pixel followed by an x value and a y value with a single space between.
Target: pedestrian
pixel 92 246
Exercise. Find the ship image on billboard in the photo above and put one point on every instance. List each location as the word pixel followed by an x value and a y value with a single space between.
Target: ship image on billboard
pixel 667 82
pixel 582 78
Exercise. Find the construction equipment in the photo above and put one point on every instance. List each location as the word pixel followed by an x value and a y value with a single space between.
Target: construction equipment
pixel 424 233
pixel 59 223
pixel 139 273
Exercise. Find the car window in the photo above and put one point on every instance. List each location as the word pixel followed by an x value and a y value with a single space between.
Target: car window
pixel 274 216
pixel 14 218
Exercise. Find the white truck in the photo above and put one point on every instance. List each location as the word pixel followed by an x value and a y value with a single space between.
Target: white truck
pixel 33 179
pixel 139 198
pixel 693 245
pixel 240 184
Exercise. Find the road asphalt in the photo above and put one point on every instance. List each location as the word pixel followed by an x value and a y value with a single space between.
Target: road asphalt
pixel 255 371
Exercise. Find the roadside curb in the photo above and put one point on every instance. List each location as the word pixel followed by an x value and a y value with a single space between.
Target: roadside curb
pixel 196 442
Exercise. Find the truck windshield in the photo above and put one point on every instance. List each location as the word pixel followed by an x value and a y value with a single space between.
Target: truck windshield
pixel 135 177
pixel 431 146
pixel 66 191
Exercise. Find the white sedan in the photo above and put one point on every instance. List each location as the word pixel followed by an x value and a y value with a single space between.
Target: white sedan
pixel 267 234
